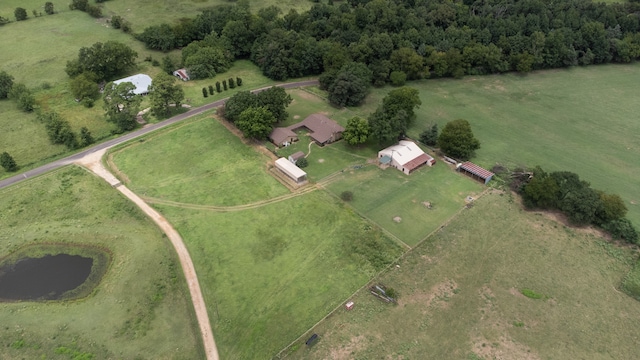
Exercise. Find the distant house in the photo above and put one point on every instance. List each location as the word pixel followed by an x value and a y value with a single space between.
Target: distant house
pixel 321 129
pixel 182 74
pixel 140 81
pixel 282 137
pixel 293 172
pixel 406 156
pixel 295 156
pixel 475 171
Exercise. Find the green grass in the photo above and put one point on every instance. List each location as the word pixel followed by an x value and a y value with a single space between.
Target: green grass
pixel 142 301
pixel 459 296
pixel 143 13
pixel 270 273
pixel 200 162
pixel 581 120
pixel 382 195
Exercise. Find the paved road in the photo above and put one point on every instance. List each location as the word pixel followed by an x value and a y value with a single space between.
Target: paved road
pixel 113 142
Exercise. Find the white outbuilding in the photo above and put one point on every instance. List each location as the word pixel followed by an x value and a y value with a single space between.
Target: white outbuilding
pixel 405 156
pixel 140 81
pixel 291 170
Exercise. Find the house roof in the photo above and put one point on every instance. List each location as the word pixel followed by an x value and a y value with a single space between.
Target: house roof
pixel 279 135
pixel 290 169
pixel 140 81
pixel 297 155
pixel 182 73
pixel 322 128
pixel 406 152
pixel 476 170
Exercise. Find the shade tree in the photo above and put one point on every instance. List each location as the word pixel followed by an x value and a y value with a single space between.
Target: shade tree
pixel 164 93
pixel 6 82
pixel 7 162
pixel 121 105
pixel 457 140
pixel 256 122
pixel 357 131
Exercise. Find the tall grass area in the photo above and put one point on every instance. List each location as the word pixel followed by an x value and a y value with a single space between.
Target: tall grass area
pixel 270 273
pixel 199 162
pixel 142 302
pixel 385 195
pixel 461 296
pixel 582 119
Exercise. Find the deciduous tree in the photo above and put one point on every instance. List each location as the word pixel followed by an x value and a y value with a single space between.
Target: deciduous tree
pixel 58 130
pixel 429 137
pixel 357 131
pixel 48 8
pixel 350 86
pixel 121 105
pixel 457 140
pixel 105 60
pixel 23 97
pixel 256 122
pixel 163 93
pixel 20 14
pixel 84 86
pixel 85 137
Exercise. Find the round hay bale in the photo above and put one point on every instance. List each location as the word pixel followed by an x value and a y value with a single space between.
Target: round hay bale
pixel 397 219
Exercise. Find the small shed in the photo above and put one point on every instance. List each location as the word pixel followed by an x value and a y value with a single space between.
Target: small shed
pixel 140 81
pixel 182 74
pixel 291 170
pixel 475 171
pixel 295 156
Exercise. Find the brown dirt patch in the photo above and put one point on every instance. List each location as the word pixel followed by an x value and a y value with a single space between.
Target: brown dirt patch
pixel 345 352
pixel 503 349
pixel 296 117
pixel 438 295
pixel 515 292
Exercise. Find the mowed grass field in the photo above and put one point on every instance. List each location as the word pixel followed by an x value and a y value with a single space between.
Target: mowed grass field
pixel 382 195
pixel 141 309
pixel 460 296
pixel 271 272
pixel 199 162
pixel 582 120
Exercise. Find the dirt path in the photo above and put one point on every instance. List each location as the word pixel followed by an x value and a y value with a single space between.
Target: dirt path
pixel 93 163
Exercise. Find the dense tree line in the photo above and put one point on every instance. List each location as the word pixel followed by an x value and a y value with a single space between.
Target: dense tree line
pixel 412 39
pixel 565 191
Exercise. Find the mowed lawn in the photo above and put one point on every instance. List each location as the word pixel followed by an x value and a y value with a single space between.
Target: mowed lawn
pixel 384 195
pixel 198 162
pixel 271 272
pixel 460 296
pixel 582 119
pixel 142 301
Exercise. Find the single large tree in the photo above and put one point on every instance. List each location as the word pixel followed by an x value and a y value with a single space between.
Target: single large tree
pixel 105 60
pixel 163 93
pixel 357 131
pixel 121 105
pixel 350 85
pixel 6 82
pixel 256 122
pixel 392 119
pixel 48 8
pixel 238 103
pixel 7 162
pixel 275 99
pixel 457 140
pixel 84 87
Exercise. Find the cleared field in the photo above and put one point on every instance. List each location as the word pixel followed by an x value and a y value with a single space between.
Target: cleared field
pixel 199 162
pixel 582 120
pixel 270 273
pixel 142 301
pixel 460 296
pixel 383 195
pixel 143 13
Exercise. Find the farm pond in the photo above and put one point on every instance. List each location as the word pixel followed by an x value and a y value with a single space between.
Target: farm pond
pixel 59 276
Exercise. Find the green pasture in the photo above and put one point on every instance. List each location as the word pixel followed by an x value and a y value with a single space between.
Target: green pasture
pixel 460 296
pixel 269 273
pixel 581 119
pixel 382 195
pixel 143 13
pixel 142 301
pixel 199 162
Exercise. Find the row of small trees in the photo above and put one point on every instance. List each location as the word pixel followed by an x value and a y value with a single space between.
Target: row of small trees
pixel 220 86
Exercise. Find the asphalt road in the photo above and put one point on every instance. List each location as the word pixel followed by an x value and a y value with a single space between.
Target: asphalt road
pixel 132 135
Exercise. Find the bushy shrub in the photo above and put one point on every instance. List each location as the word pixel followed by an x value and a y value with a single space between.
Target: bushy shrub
pixel 346 196
pixel 302 163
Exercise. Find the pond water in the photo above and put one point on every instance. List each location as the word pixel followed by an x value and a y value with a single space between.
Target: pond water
pixel 45 278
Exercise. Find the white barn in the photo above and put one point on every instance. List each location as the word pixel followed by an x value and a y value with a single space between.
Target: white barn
pixel 140 81
pixel 405 156
pixel 291 170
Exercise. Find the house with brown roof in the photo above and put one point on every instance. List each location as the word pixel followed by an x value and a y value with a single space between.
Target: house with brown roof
pixel 321 129
pixel 282 136
pixel 405 156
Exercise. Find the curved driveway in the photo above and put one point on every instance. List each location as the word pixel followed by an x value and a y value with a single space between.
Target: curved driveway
pixel 90 158
pixel 132 135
